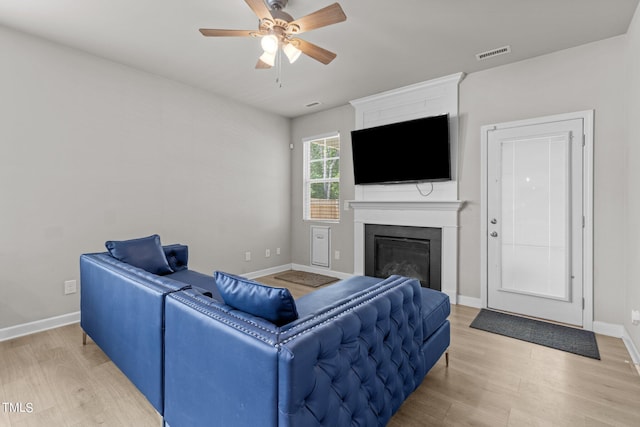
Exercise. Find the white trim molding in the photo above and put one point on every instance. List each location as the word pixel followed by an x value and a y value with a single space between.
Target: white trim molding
pixel 436 214
pixel 631 347
pixel 618 331
pixel 432 205
pixel 299 267
pixel 267 271
pixel 469 301
pixel 38 326
pixel 320 270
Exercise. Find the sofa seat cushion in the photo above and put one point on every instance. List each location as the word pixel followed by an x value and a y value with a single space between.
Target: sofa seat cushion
pixel 204 282
pixel 273 304
pixel 435 310
pixel 145 253
pixel 322 298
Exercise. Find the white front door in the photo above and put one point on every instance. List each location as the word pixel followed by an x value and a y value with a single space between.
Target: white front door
pixel 535 220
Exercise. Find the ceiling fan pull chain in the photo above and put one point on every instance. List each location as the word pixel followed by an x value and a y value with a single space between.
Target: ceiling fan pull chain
pixel 279 68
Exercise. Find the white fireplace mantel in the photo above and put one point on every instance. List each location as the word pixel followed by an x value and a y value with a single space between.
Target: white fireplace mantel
pixel 434 205
pixel 436 214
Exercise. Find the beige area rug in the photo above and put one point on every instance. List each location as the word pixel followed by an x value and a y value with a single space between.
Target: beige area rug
pixel 307 279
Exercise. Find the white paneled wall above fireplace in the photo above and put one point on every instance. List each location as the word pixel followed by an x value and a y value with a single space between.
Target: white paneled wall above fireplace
pixel 430 98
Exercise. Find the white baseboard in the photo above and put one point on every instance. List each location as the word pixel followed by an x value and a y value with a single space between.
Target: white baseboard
pixel 38 326
pixel 631 348
pixel 470 301
pixel 320 270
pixel 267 271
pixel 618 331
pixel 608 329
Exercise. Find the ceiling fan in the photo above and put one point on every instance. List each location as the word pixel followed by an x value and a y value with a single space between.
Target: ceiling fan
pixel 278 29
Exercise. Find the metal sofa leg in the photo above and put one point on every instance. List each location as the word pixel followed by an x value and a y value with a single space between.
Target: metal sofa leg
pixel 84 338
pixel 446 358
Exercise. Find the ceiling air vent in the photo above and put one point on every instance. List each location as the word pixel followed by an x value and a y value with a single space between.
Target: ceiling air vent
pixel 493 52
pixel 313 104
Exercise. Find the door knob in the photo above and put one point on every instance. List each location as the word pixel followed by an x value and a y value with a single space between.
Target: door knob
pixel 494 221
pixel 494 234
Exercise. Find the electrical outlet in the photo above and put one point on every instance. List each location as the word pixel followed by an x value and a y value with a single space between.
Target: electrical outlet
pixel 267 253
pixel 277 251
pixel 336 255
pixel 247 256
pixel 70 287
pixel 635 317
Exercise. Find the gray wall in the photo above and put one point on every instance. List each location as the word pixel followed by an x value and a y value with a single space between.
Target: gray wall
pixel 592 76
pixel 631 293
pixel 341 119
pixel 92 150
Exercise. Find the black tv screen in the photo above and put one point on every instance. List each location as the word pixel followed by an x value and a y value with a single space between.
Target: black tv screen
pixel 411 151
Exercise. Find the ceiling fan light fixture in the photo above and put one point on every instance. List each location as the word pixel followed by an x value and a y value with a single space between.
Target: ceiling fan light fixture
pixel 269 43
pixel 277 29
pixel 268 58
pixel 292 52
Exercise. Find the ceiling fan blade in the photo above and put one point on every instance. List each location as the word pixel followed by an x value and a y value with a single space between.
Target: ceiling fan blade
pixel 321 18
pixel 314 51
pixel 261 65
pixel 226 33
pixel 259 8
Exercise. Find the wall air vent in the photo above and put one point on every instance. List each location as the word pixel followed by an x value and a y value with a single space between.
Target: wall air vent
pixel 313 104
pixel 493 52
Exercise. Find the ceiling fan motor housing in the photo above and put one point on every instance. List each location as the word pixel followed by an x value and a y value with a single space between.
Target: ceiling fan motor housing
pixel 277 4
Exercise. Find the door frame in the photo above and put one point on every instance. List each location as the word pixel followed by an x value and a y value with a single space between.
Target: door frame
pixel 587 181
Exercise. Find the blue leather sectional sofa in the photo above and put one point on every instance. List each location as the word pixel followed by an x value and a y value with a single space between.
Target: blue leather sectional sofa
pixel 344 355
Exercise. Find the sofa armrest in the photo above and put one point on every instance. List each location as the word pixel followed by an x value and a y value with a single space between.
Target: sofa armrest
pixel 177 256
pixel 356 363
pixel 121 309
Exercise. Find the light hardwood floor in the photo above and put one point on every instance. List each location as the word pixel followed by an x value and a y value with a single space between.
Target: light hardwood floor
pixel 491 381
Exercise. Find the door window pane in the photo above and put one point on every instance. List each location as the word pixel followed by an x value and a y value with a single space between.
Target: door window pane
pixel 535 216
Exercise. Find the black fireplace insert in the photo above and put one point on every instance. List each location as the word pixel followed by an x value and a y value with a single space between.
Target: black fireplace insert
pixel 407 251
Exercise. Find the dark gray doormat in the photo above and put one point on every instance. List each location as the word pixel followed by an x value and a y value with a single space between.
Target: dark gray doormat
pixel 572 340
pixel 307 279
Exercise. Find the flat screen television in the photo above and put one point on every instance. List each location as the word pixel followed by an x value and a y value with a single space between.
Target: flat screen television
pixel 405 152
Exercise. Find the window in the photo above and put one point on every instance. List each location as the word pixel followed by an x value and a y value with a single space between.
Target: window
pixel 322 178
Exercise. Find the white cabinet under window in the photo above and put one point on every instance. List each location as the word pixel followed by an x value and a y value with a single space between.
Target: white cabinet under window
pixel 320 238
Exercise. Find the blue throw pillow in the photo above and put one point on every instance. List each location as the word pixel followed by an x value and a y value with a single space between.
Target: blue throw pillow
pixel 273 304
pixel 145 253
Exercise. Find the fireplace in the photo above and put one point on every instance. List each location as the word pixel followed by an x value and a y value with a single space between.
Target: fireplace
pixel 441 215
pixel 404 250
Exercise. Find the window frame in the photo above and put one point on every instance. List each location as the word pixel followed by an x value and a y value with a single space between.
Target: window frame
pixel 307 181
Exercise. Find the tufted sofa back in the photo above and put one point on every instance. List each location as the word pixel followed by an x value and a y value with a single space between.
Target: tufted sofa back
pixel 355 364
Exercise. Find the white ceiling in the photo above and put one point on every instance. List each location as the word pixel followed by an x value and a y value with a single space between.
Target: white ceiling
pixel 382 45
